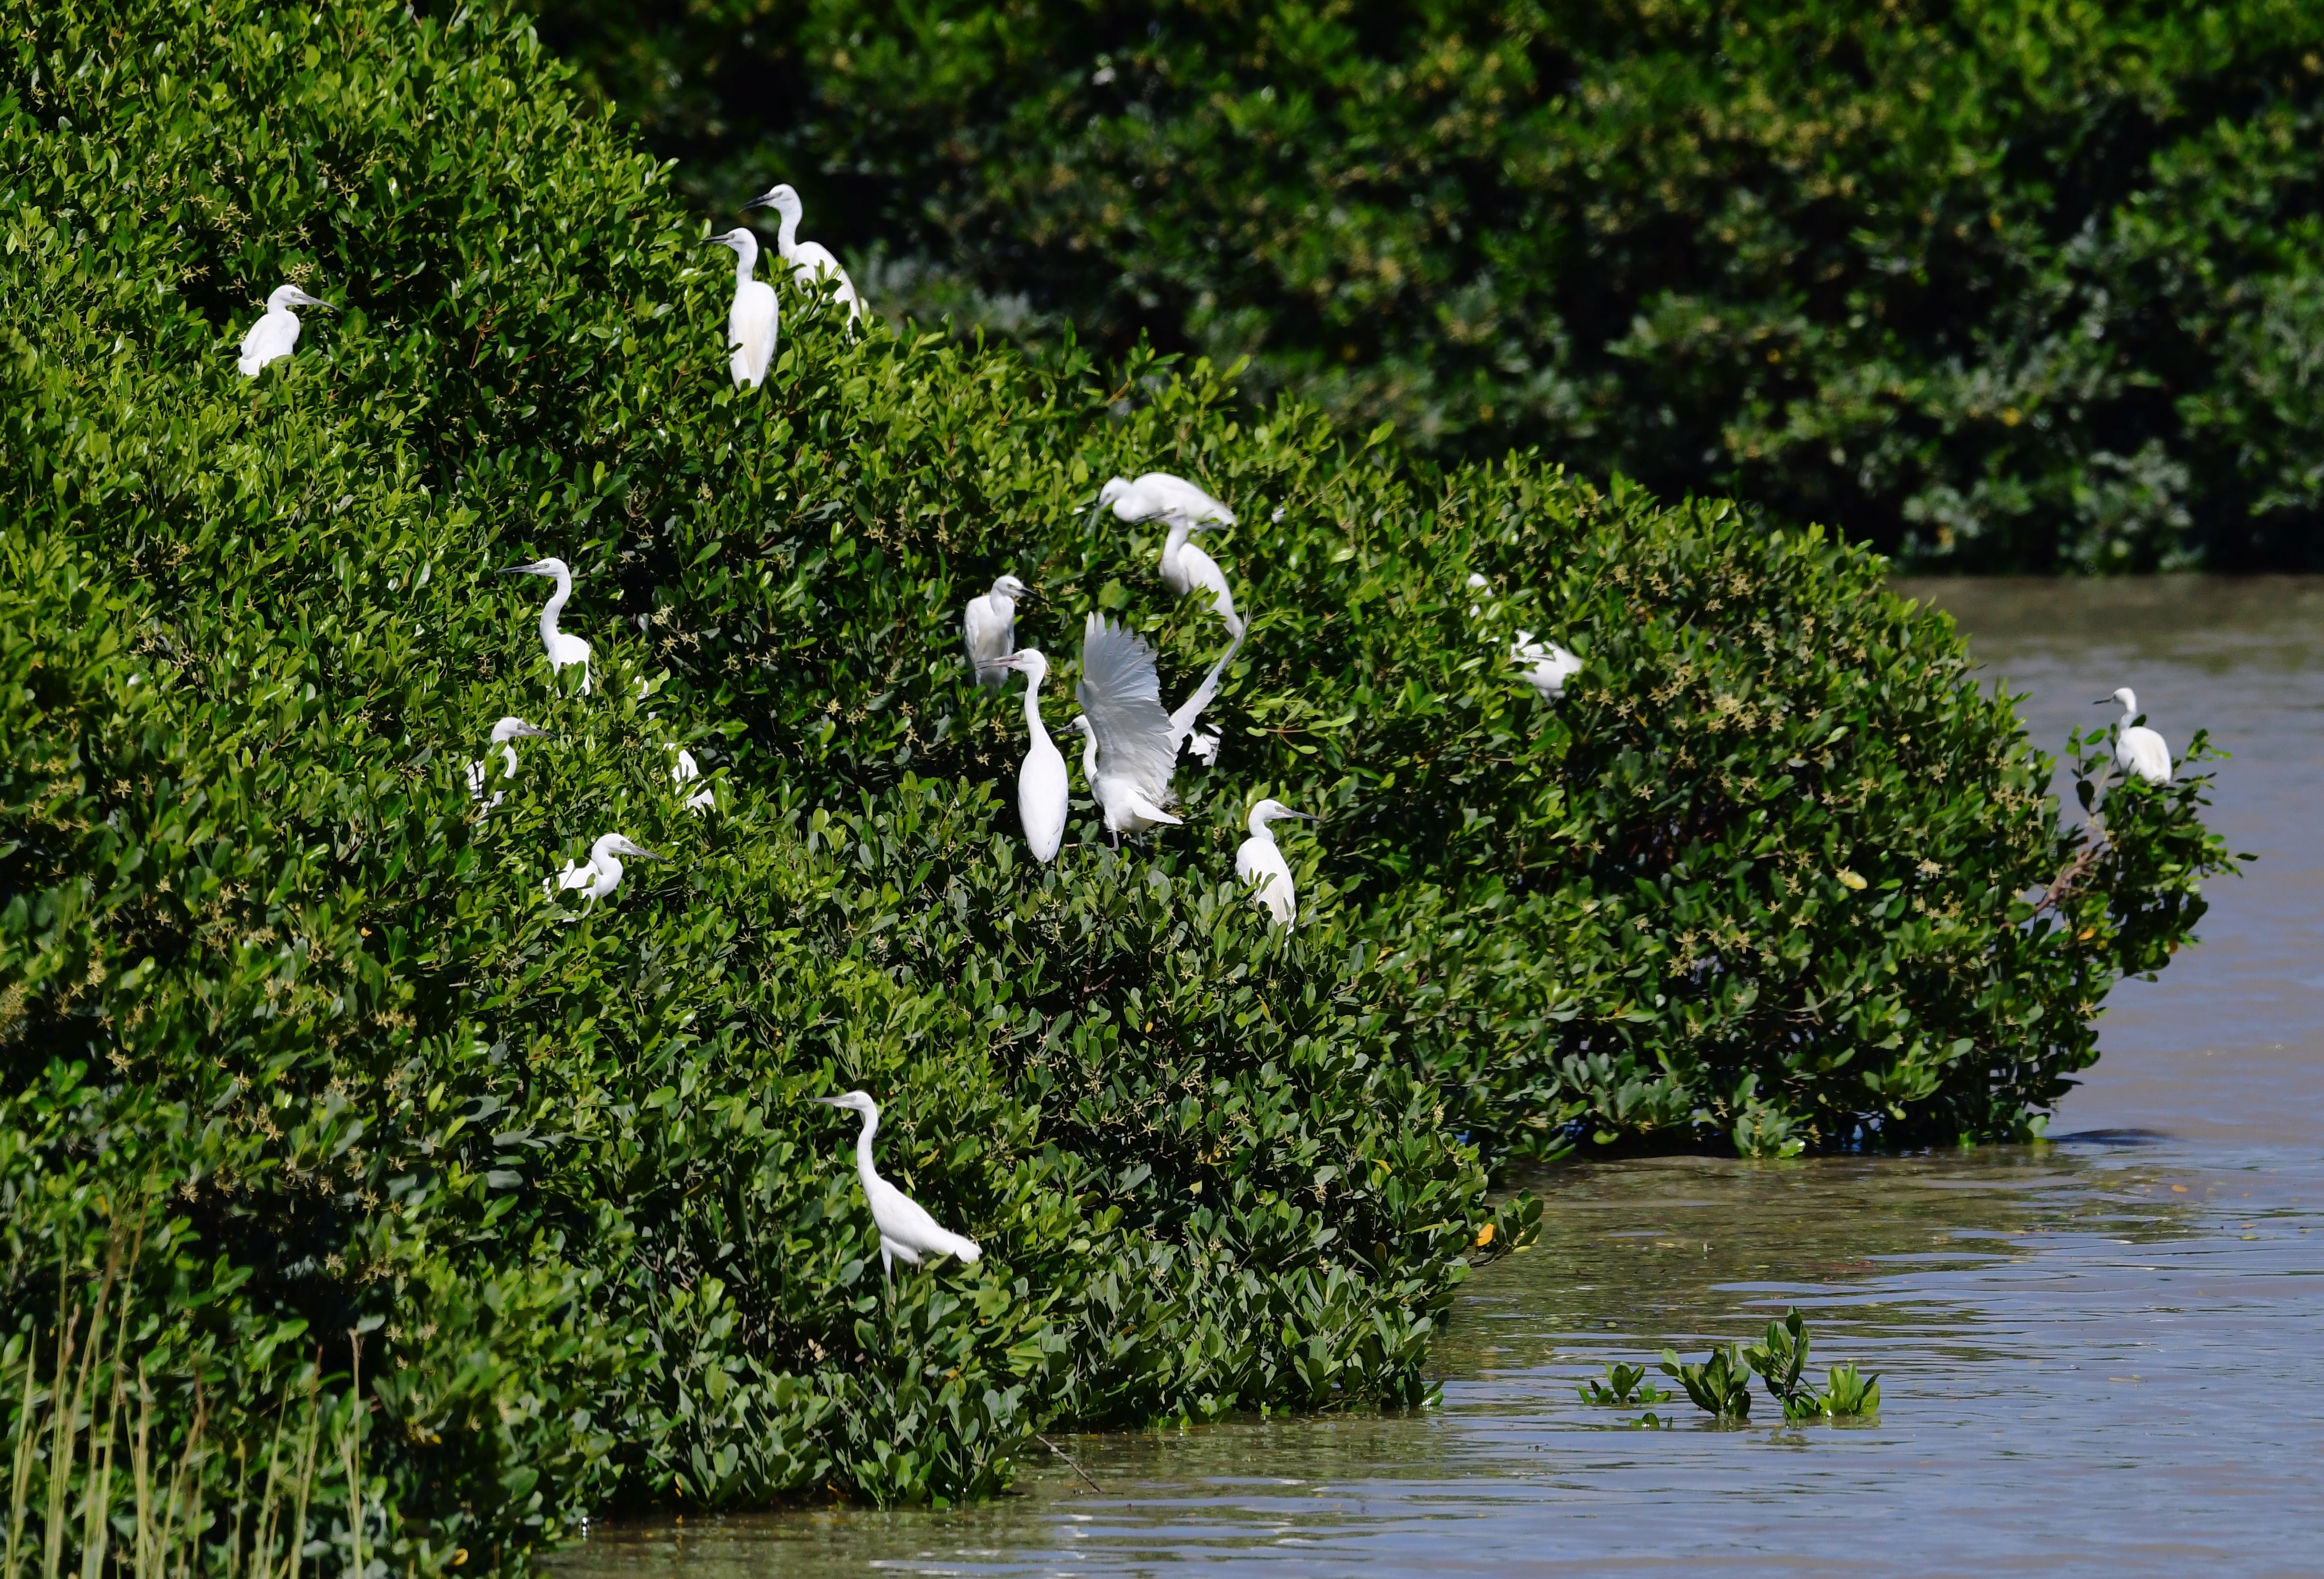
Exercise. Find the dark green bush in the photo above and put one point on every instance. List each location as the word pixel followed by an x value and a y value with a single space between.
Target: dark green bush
pixel 1989 285
pixel 291 1038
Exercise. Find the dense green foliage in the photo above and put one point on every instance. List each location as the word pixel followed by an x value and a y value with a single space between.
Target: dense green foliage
pixel 281 1007
pixel 1987 283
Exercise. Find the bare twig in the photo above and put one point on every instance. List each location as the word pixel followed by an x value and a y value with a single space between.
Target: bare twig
pixel 1070 1464
pixel 2070 877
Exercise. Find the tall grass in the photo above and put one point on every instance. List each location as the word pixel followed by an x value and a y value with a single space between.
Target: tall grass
pixel 191 1501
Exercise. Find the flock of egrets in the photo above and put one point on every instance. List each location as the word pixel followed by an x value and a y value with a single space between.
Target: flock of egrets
pixel 1130 746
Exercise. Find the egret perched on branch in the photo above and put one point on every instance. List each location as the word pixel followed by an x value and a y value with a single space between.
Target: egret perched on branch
pixel 752 321
pixel 272 338
pixel 907 1231
pixel 601 874
pixel 1259 859
pixel 990 630
pixel 505 733
pixel 1041 785
pixel 685 770
pixel 810 260
pixel 1184 508
pixel 2139 750
pixel 562 649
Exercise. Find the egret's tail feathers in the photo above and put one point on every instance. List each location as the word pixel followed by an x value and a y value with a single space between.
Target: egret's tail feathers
pixel 1152 812
pixel 965 1251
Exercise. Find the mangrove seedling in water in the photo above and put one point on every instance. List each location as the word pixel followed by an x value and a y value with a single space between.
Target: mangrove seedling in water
pixel 1624 1386
pixel 1719 1386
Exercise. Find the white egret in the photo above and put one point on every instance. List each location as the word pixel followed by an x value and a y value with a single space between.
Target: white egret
pixel 907 1231
pixel 1550 665
pixel 991 631
pixel 505 733
pixel 1184 508
pixel 1259 859
pixel 1205 747
pixel 810 260
pixel 562 649
pixel 2139 750
pixel 753 321
pixel 601 874
pixel 1041 784
pixel 1132 746
pixel 271 338
pixel 685 770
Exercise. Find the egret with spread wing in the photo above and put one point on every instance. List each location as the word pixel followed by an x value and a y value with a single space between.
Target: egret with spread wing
pixel 907 1231
pixel 990 627
pixel 1184 509
pixel 1133 744
pixel 810 260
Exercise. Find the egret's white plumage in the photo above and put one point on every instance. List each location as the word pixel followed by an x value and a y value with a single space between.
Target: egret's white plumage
pixel 1261 866
pixel 2139 750
pixel 907 1231
pixel 597 877
pixel 753 321
pixel 505 734
pixel 685 770
pixel 989 628
pixel 810 260
pixel 1133 743
pixel 1204 747
pixel 276 333
pixel 562 649
pixel 1041 784
pixel 1183 510
pixel 1548 667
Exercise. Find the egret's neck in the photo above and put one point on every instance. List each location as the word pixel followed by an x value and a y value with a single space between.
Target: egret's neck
pixel 1177 540
pixel 1259 829
pixel 1033 706
pixel 2129 711
pixel 508 753
pixel 787 239
pixel 863 1149
pixel 746 258
pixel 1089 760
pixel 555 606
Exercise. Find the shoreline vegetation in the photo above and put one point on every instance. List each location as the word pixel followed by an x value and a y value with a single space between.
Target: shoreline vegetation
pixel 363 1208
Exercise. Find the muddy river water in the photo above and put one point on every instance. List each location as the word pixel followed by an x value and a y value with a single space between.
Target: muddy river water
pixel 2103 1355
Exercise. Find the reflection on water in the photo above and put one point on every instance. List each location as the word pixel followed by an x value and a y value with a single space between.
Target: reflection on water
pixel 2100 1355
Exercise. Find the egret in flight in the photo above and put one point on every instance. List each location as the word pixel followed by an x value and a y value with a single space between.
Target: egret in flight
pixel 2139 750
pixel 810 260
pixel 907 1231
pixel 562 649
pixel 991 626
pixel 601 874
pixel 1259 860
pixel 1041 785
pixel 272 338
pixel 752 321
pixel 1184 508
pixel 505 734
pixel 685 770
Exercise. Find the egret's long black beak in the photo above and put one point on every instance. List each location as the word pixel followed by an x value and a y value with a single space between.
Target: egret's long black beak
pixel 827 1101
pixel 2102 702
pixel 647 855
pixel 759 203
pixel 514 570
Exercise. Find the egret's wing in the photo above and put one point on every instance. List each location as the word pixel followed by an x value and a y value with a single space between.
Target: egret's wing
pixel 988 631
pixel 1180 498
pixel 1182 721
pixel 1122 696
pixel 270 339
pixel 904 1223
